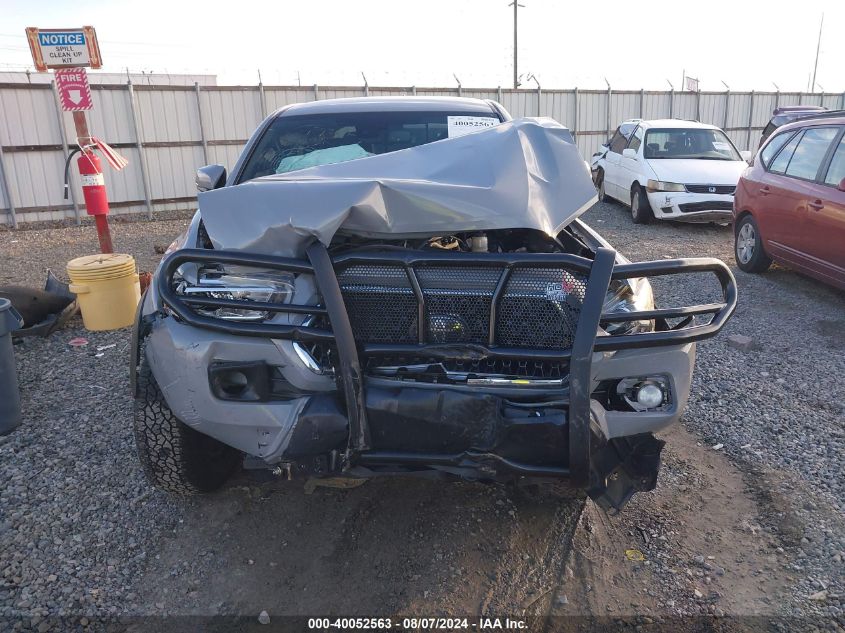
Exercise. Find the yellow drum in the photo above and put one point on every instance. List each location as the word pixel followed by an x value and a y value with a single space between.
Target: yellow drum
pixel 107 289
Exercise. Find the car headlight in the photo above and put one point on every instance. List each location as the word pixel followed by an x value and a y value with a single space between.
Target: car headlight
pixel 244 284
pixel 659 185
pixel 178 243
pixel 628 295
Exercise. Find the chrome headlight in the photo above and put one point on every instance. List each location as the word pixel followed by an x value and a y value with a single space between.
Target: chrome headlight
pixel 628 295
pixel 659 185
pixel 240 283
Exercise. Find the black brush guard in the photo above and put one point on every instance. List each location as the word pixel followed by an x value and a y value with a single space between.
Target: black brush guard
pixel 599 272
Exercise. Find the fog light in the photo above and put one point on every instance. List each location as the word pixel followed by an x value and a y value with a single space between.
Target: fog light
pixel 233 383
pixel 645 393
pixel 649 395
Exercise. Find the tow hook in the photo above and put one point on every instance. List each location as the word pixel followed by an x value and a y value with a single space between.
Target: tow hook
pixel 283 469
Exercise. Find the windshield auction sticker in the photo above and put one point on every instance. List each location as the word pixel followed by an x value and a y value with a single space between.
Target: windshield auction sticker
pixel 460 125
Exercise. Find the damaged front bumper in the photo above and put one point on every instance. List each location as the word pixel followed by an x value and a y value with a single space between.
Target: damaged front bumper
pixel 362 423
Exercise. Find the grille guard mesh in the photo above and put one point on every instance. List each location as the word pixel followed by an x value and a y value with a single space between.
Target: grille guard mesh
pixel 516 266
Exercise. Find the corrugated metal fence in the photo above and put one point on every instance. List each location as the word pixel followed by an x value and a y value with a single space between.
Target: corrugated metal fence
pixel 168 131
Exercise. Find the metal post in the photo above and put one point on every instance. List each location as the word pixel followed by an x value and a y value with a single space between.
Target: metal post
pixel 499 94
pixel 609 94
pixel 316 93
pixel 575 126
pixel 7 192
pixel 366 85
pixel 539 101
pixel 65 148
pixel 262 100
pixel 842 100
pixel 136 126
pixel 642 102
pixel 414 90
pixel 515 47
pixel 202 127
pixel 698 105
pixel 777 98
pixel 818 47
pixel 727 107
pixel 821 99
pixel 672 103
pixel 750 117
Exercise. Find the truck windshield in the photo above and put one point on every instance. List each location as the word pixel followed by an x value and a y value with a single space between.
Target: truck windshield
pixel 296 142
pixel 695 143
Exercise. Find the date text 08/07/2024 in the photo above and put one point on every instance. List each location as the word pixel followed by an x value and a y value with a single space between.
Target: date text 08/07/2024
pixel 447 624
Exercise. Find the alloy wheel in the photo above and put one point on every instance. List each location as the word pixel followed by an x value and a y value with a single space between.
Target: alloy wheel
pixel 745 243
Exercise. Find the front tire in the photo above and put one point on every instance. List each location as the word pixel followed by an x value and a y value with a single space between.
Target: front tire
pixel 641 211
pixel 748 247
pixel 175 457
pixel 599 183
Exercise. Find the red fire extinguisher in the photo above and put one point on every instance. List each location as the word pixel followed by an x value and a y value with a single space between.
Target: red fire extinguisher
pixel 94 191
pixel 93 183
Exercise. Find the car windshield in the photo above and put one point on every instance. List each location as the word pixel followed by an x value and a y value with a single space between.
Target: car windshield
pixel 296 142
pixel 688 143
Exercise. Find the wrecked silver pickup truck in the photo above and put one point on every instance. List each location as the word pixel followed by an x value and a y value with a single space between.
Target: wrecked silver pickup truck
pixel 403 286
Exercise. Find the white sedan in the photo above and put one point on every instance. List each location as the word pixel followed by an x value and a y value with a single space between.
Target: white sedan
pixel 671 170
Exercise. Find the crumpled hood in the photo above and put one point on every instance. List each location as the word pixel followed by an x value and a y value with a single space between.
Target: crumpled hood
pixel 526 173
pixel 698 172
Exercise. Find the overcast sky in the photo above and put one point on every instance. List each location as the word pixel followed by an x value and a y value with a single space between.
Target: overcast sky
pixel 747 44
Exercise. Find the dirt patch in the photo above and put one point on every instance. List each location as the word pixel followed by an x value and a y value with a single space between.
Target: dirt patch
pixel 412 546
pixel 701 538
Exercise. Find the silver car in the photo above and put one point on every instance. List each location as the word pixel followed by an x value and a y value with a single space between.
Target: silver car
pixel 403 286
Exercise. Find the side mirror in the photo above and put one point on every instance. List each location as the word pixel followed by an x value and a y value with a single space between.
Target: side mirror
pixel 841 185
pixel 747 155
pixel 629 153
pixel 210 177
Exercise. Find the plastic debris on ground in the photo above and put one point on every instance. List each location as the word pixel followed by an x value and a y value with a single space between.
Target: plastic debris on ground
pixel 634 555
pixel 43 311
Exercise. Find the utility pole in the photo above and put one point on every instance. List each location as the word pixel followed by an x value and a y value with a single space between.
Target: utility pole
pixel 515 6
pixel 818 46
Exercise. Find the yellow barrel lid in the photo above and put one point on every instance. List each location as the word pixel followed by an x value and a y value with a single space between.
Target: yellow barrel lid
pixel 104 266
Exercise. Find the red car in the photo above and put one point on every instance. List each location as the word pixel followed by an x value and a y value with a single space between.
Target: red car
pixel 790 203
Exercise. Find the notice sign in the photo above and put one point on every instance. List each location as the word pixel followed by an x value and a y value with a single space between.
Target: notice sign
pixel 64 48
pixel 460 125
pixel 74 91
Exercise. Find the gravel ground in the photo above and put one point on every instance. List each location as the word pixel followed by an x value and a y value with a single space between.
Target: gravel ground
pixel 82 533
pixel 778 408
pixel 77 518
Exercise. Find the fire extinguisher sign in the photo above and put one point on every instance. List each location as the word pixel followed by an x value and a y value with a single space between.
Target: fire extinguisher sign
pixel 74 91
